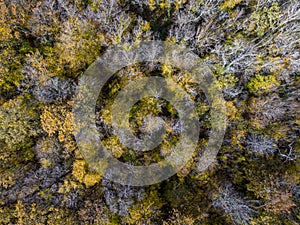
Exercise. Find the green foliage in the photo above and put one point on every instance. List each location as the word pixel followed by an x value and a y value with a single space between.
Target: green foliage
pixel 266 219
pixel 13 50
pixel 227 80
pixel 262 84
pixel 78 47
pixel 19 125
pixel 10 75
pixel 264 20
pixel 146 211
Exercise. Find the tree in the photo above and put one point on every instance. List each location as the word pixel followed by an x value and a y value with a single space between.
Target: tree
pixel 178 218
pixel 120 198
pixel 267 109
pixel 94 212
pixel 252 49
pixel 54 90
pixel 261 145
pixel 57 120
pixel 233 205
pixel 19 125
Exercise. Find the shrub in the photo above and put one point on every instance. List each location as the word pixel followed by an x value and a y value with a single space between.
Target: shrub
pixel 177 218
pixel 48 151
pixel 275 191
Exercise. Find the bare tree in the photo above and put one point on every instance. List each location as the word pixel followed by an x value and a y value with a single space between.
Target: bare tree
pixel 260 145
pixel 120 198
pixel 268 109
pixel 233 205
pixel 54 90
pixel 238 57
pixel 194 25
pixel 291 154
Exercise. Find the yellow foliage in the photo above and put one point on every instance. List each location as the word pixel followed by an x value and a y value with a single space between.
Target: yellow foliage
pixel 146 26
pixel 152 4
pixel 144 211
pixel 65 134
pixel 18 123
pixel 81 173
pixel 160 4
pixel 231 110
pixel 45 163
pixel 58 120
pixel 179 3
pixel 40 66
pixel 6 215
pixel 264 19
pixel 79 46
pixel 61 216
pixel 79 169
pixel 91 178
pixel 230 4
pixel 164 5
pixel 226 80
pixel 20 213
pixel 166 70
pixel 7 180
pixel 262 84
pixel 67 186
pixel 113 144
pixel 50 120
pixel 5 31
pixel 237 138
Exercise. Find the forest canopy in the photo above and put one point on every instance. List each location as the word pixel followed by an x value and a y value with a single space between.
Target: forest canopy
pixel 252 48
